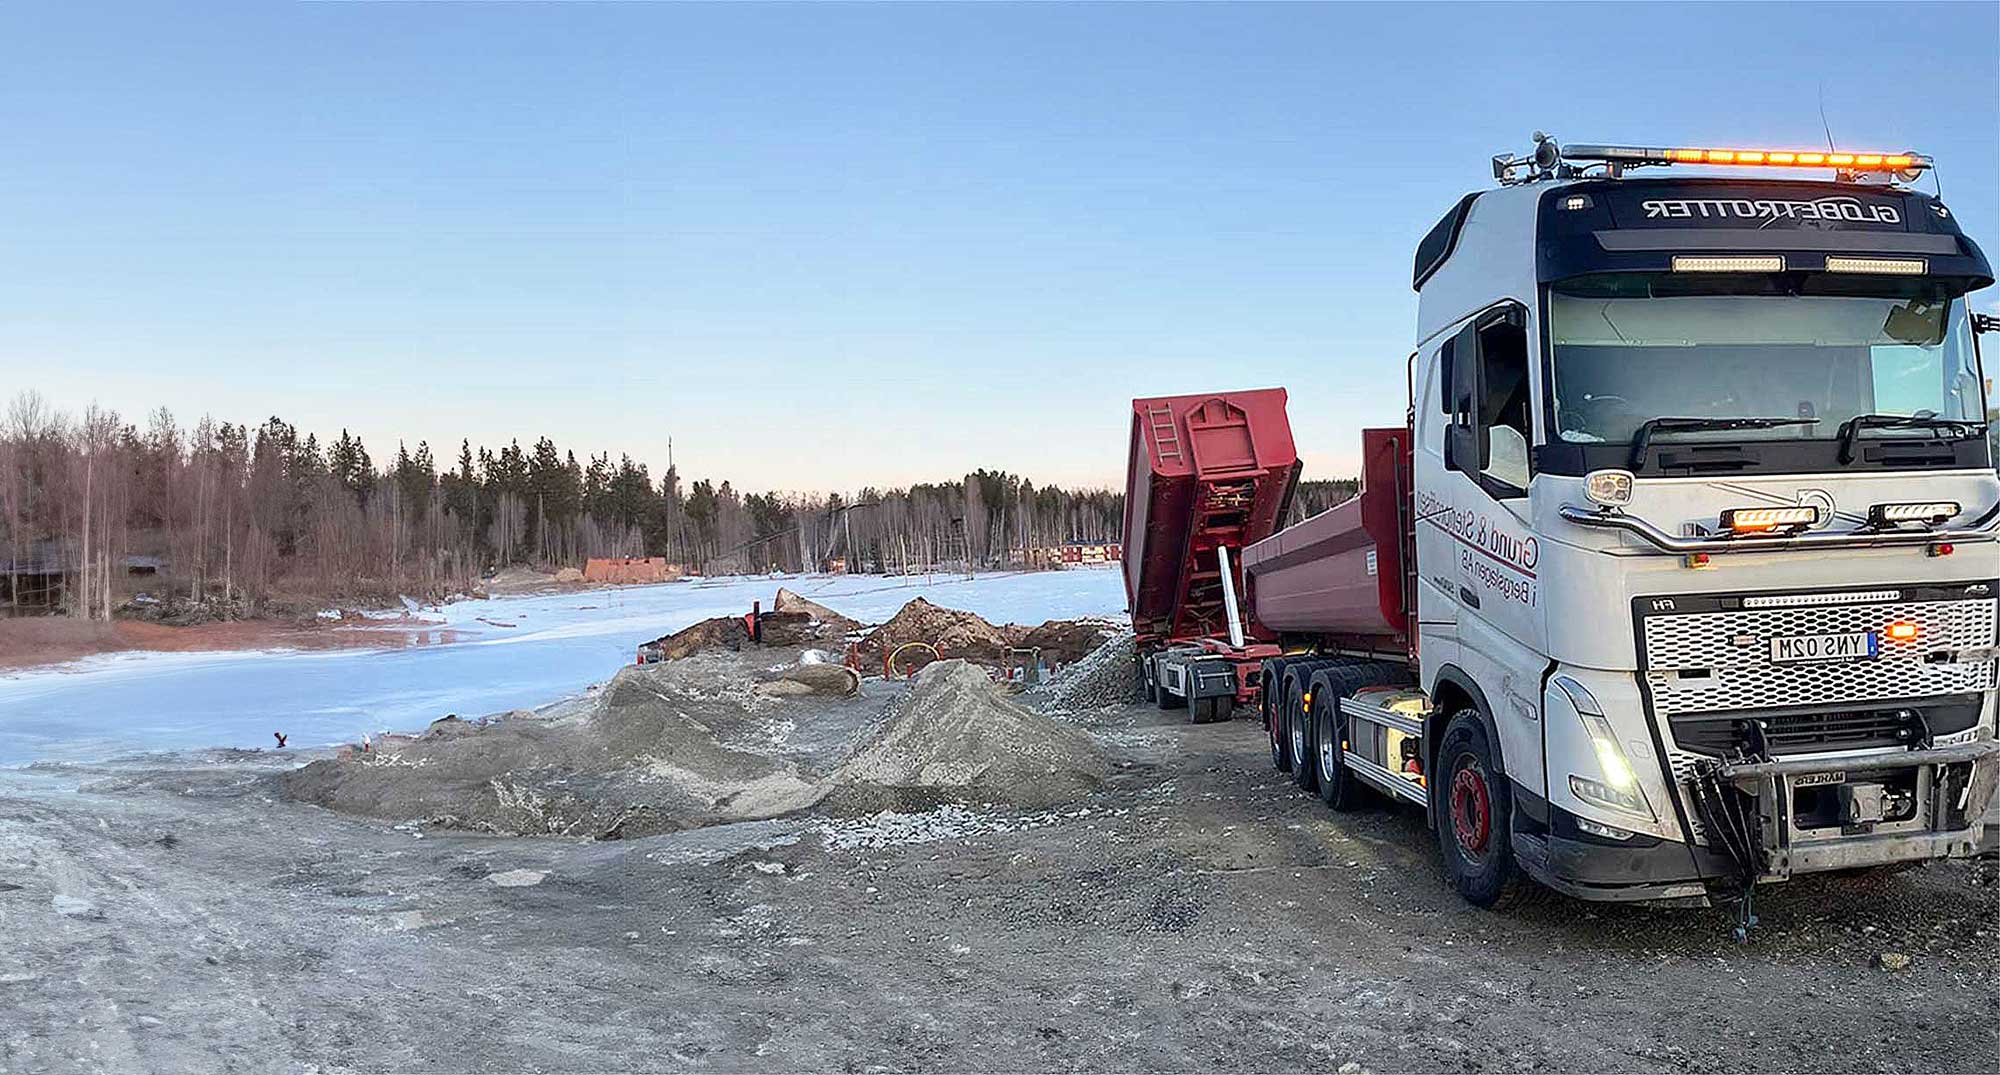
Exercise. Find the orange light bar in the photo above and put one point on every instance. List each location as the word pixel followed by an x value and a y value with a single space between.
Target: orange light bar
pixel 1767 158
pixel 1902 631
pixel 1784 158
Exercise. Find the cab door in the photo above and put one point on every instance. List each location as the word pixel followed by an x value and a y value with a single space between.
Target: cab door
pixel 1495 553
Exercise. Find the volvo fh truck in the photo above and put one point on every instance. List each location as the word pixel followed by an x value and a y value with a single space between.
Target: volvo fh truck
pixel 1681 576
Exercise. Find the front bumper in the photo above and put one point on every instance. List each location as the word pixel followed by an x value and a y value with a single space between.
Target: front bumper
pixel 1954 825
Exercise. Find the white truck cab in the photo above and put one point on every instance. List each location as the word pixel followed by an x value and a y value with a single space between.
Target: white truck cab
pixel 1704 515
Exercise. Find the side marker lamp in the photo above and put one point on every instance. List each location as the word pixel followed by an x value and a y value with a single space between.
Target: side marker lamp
pixel 1928 513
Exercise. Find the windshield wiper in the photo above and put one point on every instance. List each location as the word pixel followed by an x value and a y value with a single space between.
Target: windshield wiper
pixel 1850 430
pixel 1643 437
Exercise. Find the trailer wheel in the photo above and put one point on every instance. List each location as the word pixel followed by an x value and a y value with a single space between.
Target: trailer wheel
pixel 1148 690
pixel 1209 710
pixel 1337 786
pixel 1473 803
pixel 1299 730
pixel 1274 730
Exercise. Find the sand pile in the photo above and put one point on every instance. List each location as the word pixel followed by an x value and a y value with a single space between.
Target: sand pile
pixel 954 737
pixel 643 756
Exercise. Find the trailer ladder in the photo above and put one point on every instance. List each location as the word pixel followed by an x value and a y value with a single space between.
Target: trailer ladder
pixel 1166 437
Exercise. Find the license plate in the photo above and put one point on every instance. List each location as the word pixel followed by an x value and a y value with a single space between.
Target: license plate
pixel 1816 780
pixel 1797 649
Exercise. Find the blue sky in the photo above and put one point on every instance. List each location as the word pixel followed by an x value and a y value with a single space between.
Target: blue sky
pixel 934 237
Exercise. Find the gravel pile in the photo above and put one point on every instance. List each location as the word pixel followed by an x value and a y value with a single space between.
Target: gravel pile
pixel 1106 676
pixel 953 737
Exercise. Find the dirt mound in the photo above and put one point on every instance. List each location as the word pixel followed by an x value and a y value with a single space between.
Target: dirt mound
pixel 1065 641
pixel 953 736
pixel 644 756
pixel 955 633
pixel 721 632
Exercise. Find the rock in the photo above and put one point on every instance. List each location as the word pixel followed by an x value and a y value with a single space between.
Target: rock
pixel 784 688
pixel 1892 961
pixel 821 615
pixel 74 906
pixel 517 878
pixel 833 679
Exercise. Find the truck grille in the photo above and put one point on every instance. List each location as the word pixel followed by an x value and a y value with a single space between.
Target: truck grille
pixel 1718 660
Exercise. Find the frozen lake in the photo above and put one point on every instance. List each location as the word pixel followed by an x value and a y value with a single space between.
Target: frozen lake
pixel 507 653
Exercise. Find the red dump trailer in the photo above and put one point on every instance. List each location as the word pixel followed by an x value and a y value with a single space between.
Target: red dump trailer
pixel 1346 577
pixel 1208 475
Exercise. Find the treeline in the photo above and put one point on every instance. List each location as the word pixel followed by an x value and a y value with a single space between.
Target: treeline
pixel 241 513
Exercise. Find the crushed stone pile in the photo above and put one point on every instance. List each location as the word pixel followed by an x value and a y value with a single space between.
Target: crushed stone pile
pixel 644 755
pixel 954 737
pixel 1107 676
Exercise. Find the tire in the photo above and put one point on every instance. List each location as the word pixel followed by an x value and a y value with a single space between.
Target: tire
pixel 1338 786
pixel 1281 757
pixel 1269 684
pixel 1208 710
pixel 1473 804
pixel 1163 697
pixel 1148 690
pixel 1299 734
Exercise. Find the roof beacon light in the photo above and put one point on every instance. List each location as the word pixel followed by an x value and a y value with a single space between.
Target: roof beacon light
pixel 1641 156
pixel 1752 521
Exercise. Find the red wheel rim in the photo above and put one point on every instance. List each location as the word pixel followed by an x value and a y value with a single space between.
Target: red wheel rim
pixel 1471 810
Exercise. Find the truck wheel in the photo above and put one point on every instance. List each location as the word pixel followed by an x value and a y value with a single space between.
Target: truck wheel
pixel 1337 786
pixel 1274 730
pixel 1299 728
pixel 1473 804
pixel 1148 690
pixel 1208 710
pixel 1163 697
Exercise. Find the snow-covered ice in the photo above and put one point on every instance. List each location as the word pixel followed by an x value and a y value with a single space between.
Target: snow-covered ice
pixel 506 653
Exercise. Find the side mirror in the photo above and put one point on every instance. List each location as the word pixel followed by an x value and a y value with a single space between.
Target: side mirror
pixel 1507 457
pixel 1985 323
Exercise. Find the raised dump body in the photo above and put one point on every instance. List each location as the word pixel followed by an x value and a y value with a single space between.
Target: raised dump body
pixel 1206 471
pixel 1343 576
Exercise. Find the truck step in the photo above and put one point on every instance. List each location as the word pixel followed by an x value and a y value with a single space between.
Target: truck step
pixel 1363 709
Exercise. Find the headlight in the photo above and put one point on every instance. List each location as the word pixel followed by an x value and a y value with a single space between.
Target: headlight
pixel 1608 488
pixel 1619 789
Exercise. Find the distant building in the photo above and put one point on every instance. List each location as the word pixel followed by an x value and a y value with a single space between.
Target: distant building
pixel 40 579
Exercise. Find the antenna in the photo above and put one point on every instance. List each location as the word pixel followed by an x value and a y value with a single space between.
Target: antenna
pixel 1824 125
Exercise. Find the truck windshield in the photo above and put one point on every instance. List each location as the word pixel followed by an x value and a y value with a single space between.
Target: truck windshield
pixel 1630 347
